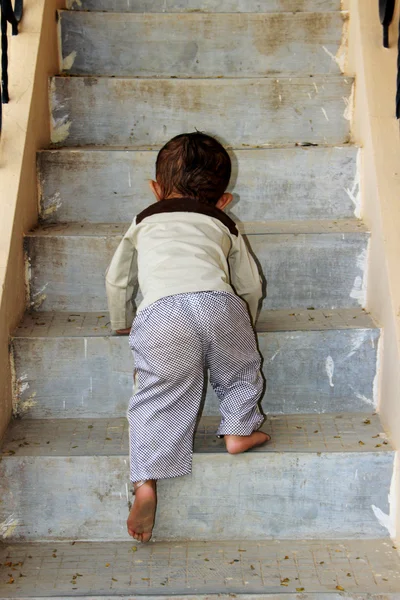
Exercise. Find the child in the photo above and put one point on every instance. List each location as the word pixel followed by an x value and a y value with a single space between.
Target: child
pixel 199 284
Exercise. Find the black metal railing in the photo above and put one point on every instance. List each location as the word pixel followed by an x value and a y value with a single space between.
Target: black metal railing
pixel 386 10
pixel 11 15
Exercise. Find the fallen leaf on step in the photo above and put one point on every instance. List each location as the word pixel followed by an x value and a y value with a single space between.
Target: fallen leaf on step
pixel 134 549
pixel 113 579
pixel 299 589
pixel 286 558
pixel 107 565
pixel 361 443
pixel 378 445
pixel 340 588
pixel 367 421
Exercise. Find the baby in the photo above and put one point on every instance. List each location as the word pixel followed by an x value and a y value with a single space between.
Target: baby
pixel 201 290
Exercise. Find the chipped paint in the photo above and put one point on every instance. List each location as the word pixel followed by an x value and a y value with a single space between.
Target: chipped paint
pixel 8 526
pixel 354 193
pixel 325 114
pixel 349 103
pixel 389 521
pixel 340 57
pixel 60 129
pixel 330 368
pixel 53 204
pixel 358 338
pixel 68 61
pixel 358 291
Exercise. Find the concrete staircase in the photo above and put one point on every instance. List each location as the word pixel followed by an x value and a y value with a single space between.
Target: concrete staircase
pixel 305 515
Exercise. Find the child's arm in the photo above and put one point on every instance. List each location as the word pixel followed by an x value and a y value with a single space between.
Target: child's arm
pixel 121 279
pixel 245 276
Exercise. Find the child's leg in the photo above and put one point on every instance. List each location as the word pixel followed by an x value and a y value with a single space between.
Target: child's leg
pixel 235 374
pixel 162 413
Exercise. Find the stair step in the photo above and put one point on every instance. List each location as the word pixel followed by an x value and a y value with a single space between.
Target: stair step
pixel 140 112
pixel 75 472
pixel 186 45
pixel 245 6
pixel 274 569
pixel 271 184
pixel 314 361
pixel 314 263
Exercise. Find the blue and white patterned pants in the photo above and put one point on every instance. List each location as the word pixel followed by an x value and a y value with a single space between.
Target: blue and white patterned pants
pixel 174 341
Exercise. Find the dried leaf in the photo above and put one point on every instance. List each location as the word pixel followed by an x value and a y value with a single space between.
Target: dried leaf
pixel 340 588
pixel 322 562
pixel 74 446
pixel 316 431
pixel 134 549
pixel 361 443
pixel 299 589
pixel 107 565
pixel 113 579
pixel 337 436
pixel 207 559
pixel 239 550
pixel 285 584
pixel 367 421
pixel 109 439
pixel 375 436
pixel 286 580
pixel 145 578
pixel 252 567
pixel 90 426
pixel 11 580
pixel 378 445
pixel 348 574
pixel 286 558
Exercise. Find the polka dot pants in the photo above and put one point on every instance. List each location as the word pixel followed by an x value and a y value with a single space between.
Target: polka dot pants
pixel 174 341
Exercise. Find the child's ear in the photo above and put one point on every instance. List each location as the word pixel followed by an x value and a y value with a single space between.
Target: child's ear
pixel 224 201
pixel 156 189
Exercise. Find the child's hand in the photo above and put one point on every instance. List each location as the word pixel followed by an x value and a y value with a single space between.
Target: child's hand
pixel 123 331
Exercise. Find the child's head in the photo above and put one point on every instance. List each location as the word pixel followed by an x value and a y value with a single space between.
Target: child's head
pixel 193 165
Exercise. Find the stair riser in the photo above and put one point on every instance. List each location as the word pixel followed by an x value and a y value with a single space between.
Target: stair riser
pixel 278 184
pixel 319 371
pixel 320 270
pixel 160 6
pixel 186 45
pixel 135 113
pixel 272 495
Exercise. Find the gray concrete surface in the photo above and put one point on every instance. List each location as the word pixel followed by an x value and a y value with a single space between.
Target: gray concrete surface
pixel 141 112
pixel 318 266
pixel 185 45
pixel 274 184
pixel 273 493
pixel 199 571
pixel 307 370
pixel 204 5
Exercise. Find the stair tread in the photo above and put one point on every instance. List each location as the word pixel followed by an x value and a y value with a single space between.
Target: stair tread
pixel 341 226
pixel 163 569
pixel 201 6
pixel 284 110
pixel 166 44
pixel 94 324
pixel 311 433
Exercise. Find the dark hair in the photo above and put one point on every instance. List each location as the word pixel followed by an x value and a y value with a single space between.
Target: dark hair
pixel 195 165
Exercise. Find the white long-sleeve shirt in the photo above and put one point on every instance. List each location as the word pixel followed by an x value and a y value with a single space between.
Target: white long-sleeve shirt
pixel 179 246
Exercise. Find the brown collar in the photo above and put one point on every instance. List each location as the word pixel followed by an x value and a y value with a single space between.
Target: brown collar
pixel 188 205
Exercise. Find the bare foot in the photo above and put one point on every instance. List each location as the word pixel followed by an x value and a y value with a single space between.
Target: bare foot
pixel 235 444
pixel 141 518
